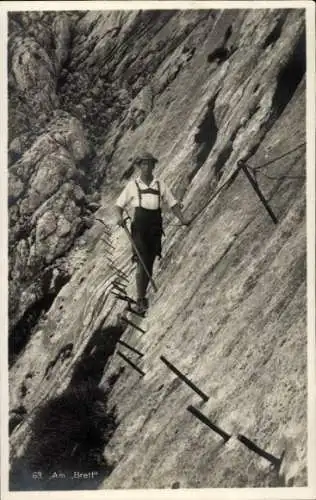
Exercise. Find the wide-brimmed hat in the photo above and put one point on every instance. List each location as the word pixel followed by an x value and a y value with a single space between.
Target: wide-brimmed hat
pixel 145 156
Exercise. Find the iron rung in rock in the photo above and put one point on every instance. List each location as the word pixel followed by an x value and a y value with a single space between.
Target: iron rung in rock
pixel 184 378
pixel 132 324
pixel 131 363
pixel 258 191
pixel 108 243
pixel 276 462
pixel 117 281
pixel 106 228
pixel 119 271
pixel 123 297
pixel 123 278
pixel 130 347
pixel 118 288
pixel 210 424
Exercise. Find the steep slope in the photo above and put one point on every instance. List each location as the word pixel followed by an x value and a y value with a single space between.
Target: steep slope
pixel 201 89
pixel 230 315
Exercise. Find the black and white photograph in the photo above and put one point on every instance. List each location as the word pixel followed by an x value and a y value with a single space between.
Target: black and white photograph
pixel 160 296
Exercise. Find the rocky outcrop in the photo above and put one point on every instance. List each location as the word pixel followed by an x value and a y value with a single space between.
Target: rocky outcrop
pixel 201 90
pixel 48 206
pixel 62 34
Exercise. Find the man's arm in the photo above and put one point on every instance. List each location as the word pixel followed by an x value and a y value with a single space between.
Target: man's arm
pixel 119 215
pixel 174 205
pixel 121 202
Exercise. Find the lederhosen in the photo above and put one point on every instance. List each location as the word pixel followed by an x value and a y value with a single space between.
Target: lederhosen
pixel 146 227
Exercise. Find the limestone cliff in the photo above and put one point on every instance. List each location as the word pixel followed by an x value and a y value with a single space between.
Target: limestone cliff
pixel 200 89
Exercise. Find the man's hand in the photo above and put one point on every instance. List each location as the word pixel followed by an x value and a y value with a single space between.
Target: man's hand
pixel 119 216
pixel 179 214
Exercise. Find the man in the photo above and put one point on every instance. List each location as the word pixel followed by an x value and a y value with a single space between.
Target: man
pixel 145 195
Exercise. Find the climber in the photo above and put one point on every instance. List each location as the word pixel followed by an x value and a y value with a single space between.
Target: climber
pixel 145 195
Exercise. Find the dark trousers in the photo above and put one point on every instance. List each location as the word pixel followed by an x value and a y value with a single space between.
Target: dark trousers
pixel 146 232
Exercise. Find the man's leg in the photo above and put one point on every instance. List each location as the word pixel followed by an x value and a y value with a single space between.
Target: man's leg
pixel 141 275
pixel 142 279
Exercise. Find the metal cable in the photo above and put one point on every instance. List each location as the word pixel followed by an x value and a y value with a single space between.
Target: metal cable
pixel 278 157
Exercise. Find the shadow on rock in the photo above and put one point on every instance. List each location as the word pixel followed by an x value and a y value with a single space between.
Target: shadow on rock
pixel 68 436
pixel 99 348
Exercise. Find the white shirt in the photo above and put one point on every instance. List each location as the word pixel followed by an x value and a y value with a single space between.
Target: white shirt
pixel 148 200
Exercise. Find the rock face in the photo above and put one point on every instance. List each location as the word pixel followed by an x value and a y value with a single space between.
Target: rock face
pixel 201 90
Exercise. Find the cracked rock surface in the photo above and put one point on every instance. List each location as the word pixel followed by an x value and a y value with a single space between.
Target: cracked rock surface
pixel 201 90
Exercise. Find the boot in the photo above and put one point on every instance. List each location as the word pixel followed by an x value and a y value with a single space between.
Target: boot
pixel 142 305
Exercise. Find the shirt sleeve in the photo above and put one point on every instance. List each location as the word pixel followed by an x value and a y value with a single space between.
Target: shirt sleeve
pixel 125 196
pixel 167 195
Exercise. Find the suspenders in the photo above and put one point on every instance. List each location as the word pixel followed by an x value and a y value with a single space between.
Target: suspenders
pixel 148 190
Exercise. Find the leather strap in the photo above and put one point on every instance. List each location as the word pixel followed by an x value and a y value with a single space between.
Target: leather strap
pixel 148 191
pixel 139 194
